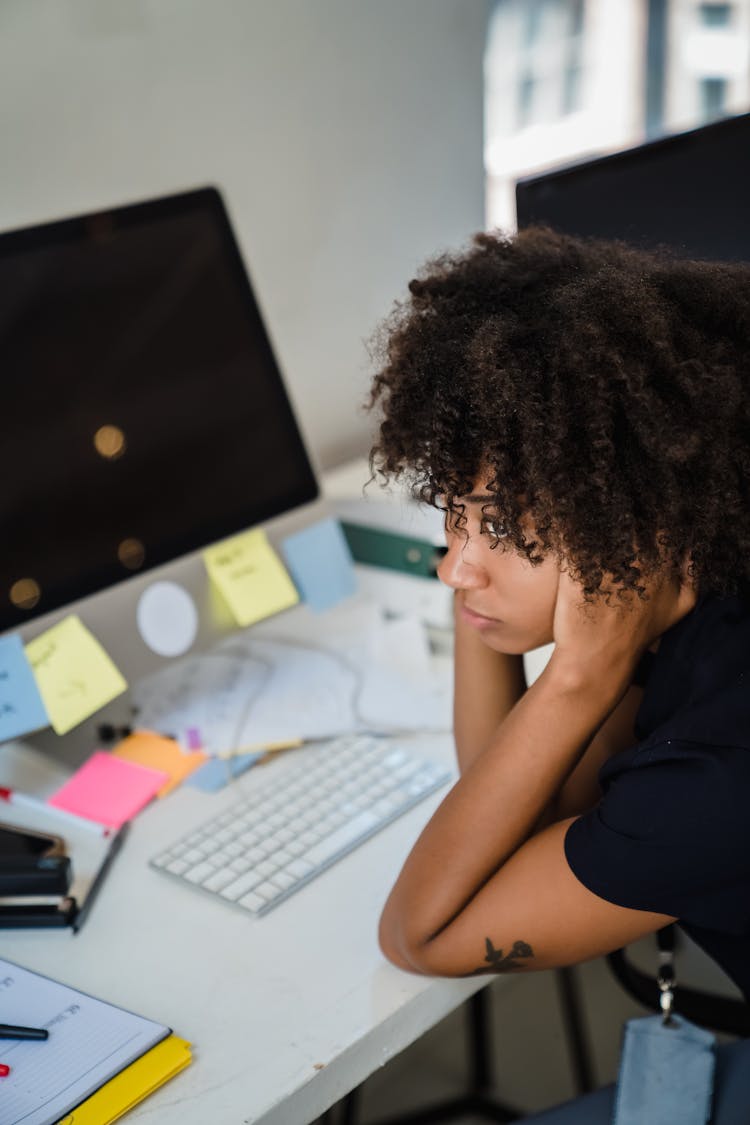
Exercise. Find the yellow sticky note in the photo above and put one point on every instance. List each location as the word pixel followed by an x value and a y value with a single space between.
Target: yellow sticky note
pixel 74 675
pixel 250 577
pixel 146 748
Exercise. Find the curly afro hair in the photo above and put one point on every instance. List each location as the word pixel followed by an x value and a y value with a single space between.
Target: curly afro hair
pixel 603 390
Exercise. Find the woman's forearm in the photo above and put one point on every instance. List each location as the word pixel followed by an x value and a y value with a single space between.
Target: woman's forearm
pixel 492 809
pixel 487 685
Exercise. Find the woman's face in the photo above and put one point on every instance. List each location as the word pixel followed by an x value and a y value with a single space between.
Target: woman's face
pixel 508 601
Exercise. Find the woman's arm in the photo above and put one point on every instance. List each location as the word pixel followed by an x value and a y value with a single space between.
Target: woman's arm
pixel 487 685
pixel 479 881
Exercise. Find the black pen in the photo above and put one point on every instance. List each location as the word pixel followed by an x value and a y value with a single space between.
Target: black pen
pixel 79 917
pixel 8 1031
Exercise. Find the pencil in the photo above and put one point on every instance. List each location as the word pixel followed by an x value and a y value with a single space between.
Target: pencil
pixel 265 747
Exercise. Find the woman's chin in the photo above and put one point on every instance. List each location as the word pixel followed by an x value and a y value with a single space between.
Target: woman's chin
pixel 515 641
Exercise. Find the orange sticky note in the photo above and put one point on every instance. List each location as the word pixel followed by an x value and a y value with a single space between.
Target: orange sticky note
pixel 146 748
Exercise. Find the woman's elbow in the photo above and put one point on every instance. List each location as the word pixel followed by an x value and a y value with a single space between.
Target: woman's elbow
pixel 412 955
pixel 390 947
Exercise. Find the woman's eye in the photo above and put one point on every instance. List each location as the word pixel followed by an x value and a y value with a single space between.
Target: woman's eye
pixel 494 528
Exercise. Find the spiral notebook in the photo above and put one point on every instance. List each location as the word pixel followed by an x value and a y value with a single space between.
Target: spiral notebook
pixel 90 1041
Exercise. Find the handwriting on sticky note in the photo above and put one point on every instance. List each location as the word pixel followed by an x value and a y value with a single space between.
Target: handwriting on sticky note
pixel 21 706
pixel 250 577
pixel 74 674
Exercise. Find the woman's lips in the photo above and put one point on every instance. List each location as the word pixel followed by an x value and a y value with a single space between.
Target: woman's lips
pixel 478 620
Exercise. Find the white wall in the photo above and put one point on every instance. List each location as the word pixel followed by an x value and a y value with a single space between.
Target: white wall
pixel 346 136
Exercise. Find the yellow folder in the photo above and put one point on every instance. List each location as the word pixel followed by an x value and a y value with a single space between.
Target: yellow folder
pixel 132 1084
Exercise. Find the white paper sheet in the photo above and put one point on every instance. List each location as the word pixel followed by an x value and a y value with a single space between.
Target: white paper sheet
pixel 303 675
pixel 89 1042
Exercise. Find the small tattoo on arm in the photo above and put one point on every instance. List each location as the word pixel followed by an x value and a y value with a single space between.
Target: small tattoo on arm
pixel 496 962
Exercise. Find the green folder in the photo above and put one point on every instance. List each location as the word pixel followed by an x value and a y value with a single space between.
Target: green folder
pixel 395 552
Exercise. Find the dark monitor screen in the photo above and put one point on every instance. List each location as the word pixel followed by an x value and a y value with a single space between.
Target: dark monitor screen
pixel 143 414
pixel 688 191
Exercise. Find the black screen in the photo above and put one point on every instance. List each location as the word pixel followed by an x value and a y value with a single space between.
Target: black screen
pixel 143 414
pixel 687 191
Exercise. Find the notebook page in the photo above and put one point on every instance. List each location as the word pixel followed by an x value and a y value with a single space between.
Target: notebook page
pixel 89 1042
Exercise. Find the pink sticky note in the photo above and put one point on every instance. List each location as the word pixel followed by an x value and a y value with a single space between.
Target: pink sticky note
pixel 108 790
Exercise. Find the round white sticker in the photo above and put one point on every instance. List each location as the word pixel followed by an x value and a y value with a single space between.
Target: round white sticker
pixel 167 618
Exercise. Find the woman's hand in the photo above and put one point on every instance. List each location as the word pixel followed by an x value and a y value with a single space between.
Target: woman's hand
pixel 595 640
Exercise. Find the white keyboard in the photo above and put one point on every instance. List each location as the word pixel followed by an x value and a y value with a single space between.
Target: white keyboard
pixel 287 831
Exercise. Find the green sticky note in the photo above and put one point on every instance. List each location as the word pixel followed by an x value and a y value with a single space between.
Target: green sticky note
pixel 74 675
pixel 250 577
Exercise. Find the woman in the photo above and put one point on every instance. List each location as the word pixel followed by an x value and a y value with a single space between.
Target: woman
pixel 581 412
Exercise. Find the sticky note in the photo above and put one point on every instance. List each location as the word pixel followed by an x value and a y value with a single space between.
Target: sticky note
pixel 250 577
pixel 108 790
pixel 218 772
pixel 320 563
pixel 21 706
pixel 73 673
pixel 159 753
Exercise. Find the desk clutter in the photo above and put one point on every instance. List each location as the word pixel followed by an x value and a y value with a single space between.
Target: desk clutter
pixel 314 667
pixel 63 676
pixel 334 664
pixel 95 1062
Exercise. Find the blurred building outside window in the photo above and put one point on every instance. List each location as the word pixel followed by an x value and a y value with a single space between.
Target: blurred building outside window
pixel 569 79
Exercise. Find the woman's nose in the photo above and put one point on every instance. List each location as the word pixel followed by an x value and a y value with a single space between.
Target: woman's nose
pixel 459 568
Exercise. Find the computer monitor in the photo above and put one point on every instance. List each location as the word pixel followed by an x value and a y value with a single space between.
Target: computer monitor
pixel 688 191
pixel 143 415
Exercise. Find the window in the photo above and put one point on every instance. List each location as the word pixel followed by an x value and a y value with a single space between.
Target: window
pixel 715 15
pixel 538 46
pixel 526 100
pixel 713 96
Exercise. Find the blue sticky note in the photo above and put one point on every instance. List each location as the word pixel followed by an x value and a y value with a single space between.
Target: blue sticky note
pixel 320 563
pixel 218 772
pixel 21 707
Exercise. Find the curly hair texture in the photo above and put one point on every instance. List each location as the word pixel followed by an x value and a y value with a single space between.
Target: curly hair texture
pixel 604 390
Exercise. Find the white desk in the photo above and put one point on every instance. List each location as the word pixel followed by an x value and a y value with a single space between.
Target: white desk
pixel 286 1013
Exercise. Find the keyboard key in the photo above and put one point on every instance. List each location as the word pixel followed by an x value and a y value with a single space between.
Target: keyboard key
pixel 268 891
pixel 266 867
pixel 193 855
pixel 219 880
pixel 199 873
pixel 300 867
pixel 240 886
pixel 252 902
pixel 328 847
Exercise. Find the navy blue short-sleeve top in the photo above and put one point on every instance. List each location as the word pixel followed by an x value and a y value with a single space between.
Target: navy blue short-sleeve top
pixel 671 833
